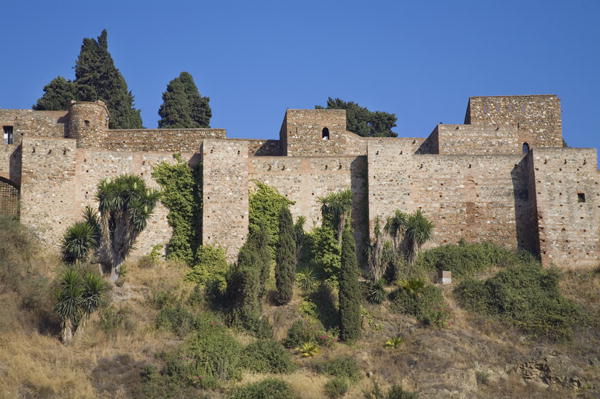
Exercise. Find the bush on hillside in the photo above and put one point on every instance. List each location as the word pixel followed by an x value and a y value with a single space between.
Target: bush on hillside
pixel 395 392
pixel 466 259
pixel 302 331
pixel 336 387
pixel 267 356
pixel 205 360
pixel 421 300
pixel 527 296
pixel 269 388
pixel 343 367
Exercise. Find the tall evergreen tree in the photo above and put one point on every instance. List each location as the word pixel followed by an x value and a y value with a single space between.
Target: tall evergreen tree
pixel 183 106
pixel 97 77
pixel 349 291
pixel 362 121
pixel 243 285
pixel 57 95
pixel 285 257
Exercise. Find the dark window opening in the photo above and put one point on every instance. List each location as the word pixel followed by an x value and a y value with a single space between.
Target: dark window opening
pixel 87 123
pixel 8 134
pixel 525 148
pixel 580 197
pixel 325 134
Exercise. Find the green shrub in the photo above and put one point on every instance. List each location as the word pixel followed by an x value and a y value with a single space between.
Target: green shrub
pixel 176 319
pixel 205 360
pixel 265 205
pixel 467 259
pixel 267 356
pixel 345 367
pixel 423 301
pixel 336 387
pixel 300 332
pixel 112 320
pixel 210 269
pixel 395 392
pixel 269 388
pixel 374 292
pixel 327 252
pixel 527 296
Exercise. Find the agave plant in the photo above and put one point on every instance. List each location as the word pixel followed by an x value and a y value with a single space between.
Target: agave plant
pixel 413 286
pixel 308 349
pixel 394 342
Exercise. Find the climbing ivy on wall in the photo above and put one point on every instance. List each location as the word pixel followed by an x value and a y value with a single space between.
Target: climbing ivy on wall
pixel 182 195
pixel 265 207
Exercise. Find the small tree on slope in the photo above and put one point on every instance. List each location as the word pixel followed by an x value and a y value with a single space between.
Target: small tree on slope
pixel 285 257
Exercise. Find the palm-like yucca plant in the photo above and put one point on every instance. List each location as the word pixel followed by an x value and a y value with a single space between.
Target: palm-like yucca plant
pixel 336 209
pixel 396 226
pixel 413 286
pixel 93 288
pixel 78 242
pixel 418 231
pixel 68 304
pixel 125 204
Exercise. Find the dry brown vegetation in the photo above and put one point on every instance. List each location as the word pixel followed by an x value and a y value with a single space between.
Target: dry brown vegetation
pixel 472 357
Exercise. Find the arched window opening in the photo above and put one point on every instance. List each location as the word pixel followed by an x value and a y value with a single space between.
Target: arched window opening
pixel 325 134
pixel 525 148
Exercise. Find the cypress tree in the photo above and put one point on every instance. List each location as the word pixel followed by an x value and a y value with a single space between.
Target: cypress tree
pixel 243 285
pixel 57 95
pixel 285 258
pixel 183 106
pixel 349 291
pixel 260 240
pixel 96 77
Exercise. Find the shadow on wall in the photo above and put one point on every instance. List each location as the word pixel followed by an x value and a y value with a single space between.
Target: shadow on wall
pixel 15 165
pixel 360 207
pixel 525 206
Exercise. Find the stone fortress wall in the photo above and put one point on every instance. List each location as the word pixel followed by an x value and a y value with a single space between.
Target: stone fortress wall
pixel 503 176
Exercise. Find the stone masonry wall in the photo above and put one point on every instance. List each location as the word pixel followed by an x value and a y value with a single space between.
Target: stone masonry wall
pixel 225 194
pixel 302 131
pixel 10 162
pixel 59 180
pixel 567 186
pixel 471 197
pixel 33 123
pixel 537 118
pixel 305 180
pixel 478 139
pixel 167 140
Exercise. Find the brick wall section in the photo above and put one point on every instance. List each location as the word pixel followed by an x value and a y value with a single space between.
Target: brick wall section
pixel 478 139
pixel 33 123
pixel 471 197
pixel 537 118
pixel 59 180
pixel 302 132
pixel 167 140
pixel 305 180
pixel 225 194
pixel 568 229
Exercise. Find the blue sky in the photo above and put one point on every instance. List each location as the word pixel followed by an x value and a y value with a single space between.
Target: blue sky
pixel 418 59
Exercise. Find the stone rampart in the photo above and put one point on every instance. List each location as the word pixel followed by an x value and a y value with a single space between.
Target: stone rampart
pixel 34 123
pixel 306 179
pixel 537 118
pixel 162 140
pixel 225 194
pixel 567 186
pixel 471 197
pixel 478 139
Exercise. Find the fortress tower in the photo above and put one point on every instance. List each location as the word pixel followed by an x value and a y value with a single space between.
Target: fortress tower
pixel 88 123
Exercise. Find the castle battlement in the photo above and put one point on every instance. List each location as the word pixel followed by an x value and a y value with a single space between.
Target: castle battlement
pixel 502 176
